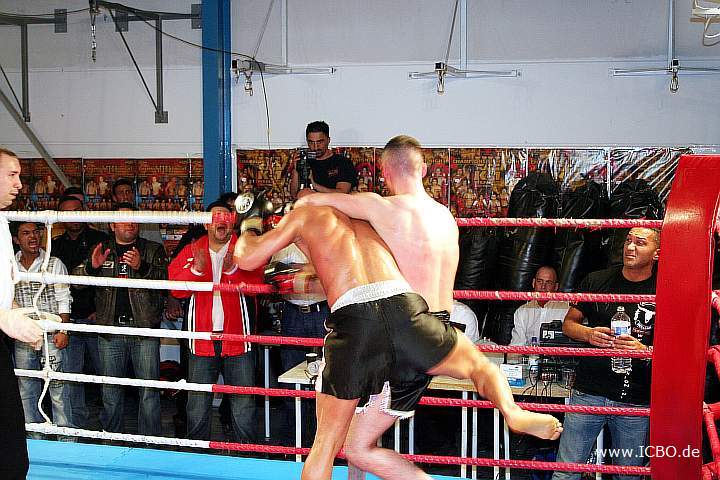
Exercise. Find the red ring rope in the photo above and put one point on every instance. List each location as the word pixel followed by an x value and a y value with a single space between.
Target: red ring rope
pixel 559 222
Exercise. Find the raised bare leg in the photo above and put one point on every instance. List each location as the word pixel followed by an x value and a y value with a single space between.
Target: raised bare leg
pixel 333 420
pixel 362 451
pixel 465 361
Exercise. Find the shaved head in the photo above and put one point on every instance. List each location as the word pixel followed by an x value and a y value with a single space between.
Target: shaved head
pixel 403 156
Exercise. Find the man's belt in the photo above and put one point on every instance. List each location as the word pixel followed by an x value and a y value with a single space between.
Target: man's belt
pixel 125 321
pixel 312 308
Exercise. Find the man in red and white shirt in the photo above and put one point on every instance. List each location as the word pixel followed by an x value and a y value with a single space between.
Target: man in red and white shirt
pixel 209 258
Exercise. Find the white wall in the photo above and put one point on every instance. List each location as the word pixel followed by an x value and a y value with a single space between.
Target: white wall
pixel 552 103
pixel 564 97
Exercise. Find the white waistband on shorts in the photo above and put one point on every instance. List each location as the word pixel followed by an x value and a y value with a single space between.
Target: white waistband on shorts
pixel 371 292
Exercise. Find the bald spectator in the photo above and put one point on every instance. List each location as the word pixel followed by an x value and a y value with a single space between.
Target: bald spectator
pixel 534 313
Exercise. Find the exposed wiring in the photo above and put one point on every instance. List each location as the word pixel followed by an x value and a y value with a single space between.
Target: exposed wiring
pixel 145 16
pixel 137 67
pixel 232 53
pixel 21 15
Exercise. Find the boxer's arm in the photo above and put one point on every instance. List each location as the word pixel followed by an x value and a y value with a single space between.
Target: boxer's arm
pixel 252 252
pixel 363 206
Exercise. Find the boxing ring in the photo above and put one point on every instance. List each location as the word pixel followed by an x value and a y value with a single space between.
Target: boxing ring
pixel 683 303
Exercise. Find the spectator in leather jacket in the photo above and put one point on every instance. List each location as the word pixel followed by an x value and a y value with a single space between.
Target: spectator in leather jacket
pixel 126 255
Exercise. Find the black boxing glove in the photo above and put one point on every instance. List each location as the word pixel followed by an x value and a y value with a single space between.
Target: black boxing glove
pixel 253 208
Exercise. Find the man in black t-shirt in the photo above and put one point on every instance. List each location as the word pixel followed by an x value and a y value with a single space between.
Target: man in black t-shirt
pixel 331 172
pixel 596 384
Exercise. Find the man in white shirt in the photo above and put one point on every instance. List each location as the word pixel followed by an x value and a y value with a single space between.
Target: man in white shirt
pixel 54 298
pixel 465 320
pixel 15 323
pixel 530 316
pixel 301 315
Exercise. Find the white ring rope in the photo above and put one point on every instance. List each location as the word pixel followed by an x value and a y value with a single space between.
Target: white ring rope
pixel 50 429
pixel 50 326
pixel 51 322
pixel 48 277
pixel 51 216
pixel 123 381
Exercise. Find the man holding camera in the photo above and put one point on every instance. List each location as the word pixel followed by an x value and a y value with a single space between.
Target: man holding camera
pixel 328 172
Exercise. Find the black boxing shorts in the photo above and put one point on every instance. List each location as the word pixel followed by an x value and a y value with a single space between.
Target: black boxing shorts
pixel 380 345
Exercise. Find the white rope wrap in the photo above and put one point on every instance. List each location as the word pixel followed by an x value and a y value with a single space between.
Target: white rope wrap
pixel 48 277
pixel 50 429
pixel 129 331
pixel 51 216
pixel 127 382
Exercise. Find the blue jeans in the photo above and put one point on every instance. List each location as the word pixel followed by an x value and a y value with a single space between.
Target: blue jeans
pixel 116 353
pixel 580 431
pixel 236 370
pixel 30 388
pixel 294 323
pixel 81 356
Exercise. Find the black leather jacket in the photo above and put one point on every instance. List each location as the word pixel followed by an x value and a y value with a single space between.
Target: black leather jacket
pixel 147 305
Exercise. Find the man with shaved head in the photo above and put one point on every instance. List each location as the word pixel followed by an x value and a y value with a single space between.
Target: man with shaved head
pixel 596 383
pixel 529 318
pixel 15 323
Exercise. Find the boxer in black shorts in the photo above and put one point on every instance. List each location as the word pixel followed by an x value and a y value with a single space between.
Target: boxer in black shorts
pixel 394 340
pixel 380 332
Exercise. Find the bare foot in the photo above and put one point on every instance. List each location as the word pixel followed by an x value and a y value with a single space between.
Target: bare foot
pixel 538 424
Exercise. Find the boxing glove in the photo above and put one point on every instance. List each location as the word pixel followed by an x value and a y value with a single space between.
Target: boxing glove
pixel 288 278
pixel 253 208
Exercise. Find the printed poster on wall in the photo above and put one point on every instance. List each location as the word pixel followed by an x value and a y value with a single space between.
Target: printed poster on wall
pixel 481 180
pixel 438 173
pixel 44 186
pixel 363 159
pixel 196 185
pixel 99 176
pixel 162 184
pixel 266 170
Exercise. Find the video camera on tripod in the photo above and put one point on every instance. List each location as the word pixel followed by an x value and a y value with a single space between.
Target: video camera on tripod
pixel 303 167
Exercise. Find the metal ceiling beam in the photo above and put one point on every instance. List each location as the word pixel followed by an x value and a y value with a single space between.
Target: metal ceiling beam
pixel 20 121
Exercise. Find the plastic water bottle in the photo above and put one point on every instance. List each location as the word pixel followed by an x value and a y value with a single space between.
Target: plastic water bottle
pixel 620 325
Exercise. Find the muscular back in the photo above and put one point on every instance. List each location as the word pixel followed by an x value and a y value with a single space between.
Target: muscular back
pixel 346 252
pixel 423 237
